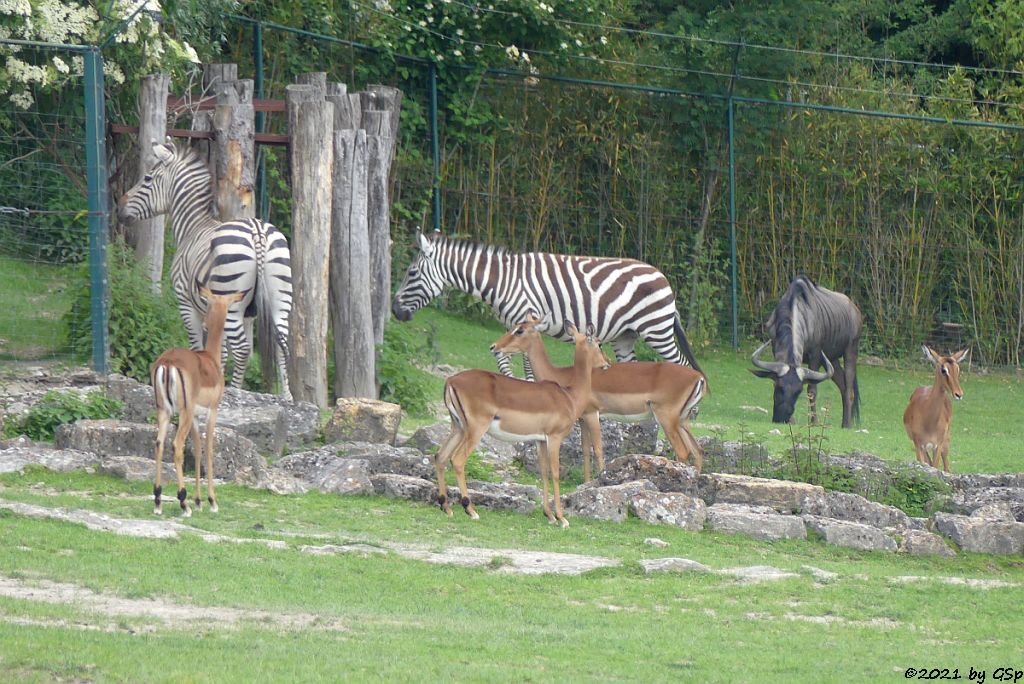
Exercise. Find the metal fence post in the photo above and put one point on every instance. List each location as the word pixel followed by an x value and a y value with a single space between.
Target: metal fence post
pixel 732 225
pixel 262 199
pixel 99 206
pixel 435 149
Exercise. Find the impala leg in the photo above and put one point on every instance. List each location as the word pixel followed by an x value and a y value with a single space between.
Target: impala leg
pixel 590 436
pixel 922 454
pixel 211 494
pixel 197 448
pixel 441 465
pixel 942 451
pixel 679 436
pixel 163 419
pixel 459 458
pixel 184 427
pixel 554 445
pixel 544 465
pixel 585 447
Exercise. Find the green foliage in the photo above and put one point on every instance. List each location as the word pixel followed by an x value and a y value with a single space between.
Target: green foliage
pixel 56 408
pixel 142 324
pixel 401 381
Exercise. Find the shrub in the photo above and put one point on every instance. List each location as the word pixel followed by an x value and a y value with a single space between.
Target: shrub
pixel 56 408
pixel 142 324
pixel 401 381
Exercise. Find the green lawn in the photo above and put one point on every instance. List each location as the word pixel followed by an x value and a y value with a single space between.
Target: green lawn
pixel 35 297
pixel 382 617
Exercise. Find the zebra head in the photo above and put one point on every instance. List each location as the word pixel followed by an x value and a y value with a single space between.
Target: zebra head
pixel 151 196
pixel 423 281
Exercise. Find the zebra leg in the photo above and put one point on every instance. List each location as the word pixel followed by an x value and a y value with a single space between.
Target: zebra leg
pixel 504 364
pixel 623 347
pixel 239 338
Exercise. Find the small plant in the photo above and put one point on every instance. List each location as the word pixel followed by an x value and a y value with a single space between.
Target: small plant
pixel 57 408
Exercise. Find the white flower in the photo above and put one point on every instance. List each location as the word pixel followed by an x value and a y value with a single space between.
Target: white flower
pixel 457 53
pixel 525 57
pixel 16 8
pixel 604 40
pixel 513 52
pixel 61 66
pixel 563 45
pixel 22 99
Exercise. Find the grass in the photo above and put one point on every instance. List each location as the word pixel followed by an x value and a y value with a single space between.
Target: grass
pixel 381 617
pixel 986 435
pixel 35 297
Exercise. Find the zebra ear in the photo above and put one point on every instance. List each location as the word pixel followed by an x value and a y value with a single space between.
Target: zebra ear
pixel 164 152
pixel 425 245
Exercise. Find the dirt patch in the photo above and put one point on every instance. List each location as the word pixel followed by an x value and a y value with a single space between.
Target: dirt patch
pixel 169 614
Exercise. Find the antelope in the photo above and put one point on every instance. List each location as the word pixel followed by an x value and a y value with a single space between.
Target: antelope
pixel 625 392
pixel 514 410
pixel 182 380
pixel 930 411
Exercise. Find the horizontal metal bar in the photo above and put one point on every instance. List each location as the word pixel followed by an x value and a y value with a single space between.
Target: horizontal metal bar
pixel 262 138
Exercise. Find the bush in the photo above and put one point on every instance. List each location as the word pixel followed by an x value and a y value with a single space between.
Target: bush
pixel 56 408
pixel 401 382
pixel 142 324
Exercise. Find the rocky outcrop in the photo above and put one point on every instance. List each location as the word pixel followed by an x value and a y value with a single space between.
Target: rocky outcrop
pixel 850 534
pixel 669 508
pixel 759 522
pixel 980 535
pixel 781 495
pixel 364 420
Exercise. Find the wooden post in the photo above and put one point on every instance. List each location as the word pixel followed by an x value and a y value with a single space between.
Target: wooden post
pixel 148 235
pixel 378 141
pixel 234 155
pixel 310 119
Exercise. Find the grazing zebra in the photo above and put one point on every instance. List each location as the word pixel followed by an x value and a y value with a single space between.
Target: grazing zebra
pixel 244 255
pixel 622 298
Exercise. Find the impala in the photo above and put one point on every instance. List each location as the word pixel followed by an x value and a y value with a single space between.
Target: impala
pixel 514 410
pixel 930 411
pixel 182 380
pixel 626 392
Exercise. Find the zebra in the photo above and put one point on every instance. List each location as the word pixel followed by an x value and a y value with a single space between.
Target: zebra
pixel 624 299
pixel 244 255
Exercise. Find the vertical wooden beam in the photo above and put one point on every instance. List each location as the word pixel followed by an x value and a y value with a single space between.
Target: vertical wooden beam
pixel 310 120
pixel 378 141
pixel 148 235
pixel 234 156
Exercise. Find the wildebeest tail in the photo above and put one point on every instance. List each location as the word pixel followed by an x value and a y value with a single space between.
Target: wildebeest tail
pixel 684 344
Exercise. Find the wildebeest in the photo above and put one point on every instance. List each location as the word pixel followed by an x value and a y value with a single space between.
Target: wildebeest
pixel 812 324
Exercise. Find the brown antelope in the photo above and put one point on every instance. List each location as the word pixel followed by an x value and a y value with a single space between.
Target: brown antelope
pixel 626 392
pixel 514 410
pixel 182 380
pixel 930 411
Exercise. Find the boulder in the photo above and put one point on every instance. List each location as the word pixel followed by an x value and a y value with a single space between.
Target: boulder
pixel 664 474
pixel 364 420
pixel 855 508
pixel 405 487
pixel 301 418
pixel 500 496
pixel 850 535
pixel 968 501
pixel 782 495
pixel 264 426
pixel 759 522
pixel 383 458
pixel 324 471
pixel 924 543
pixel 139 404
pixel 618 439
pixel 490 450
pixel 21 452
pixel 672 565
pixel 136 468
pixel 980 535
pixel 669 508
pixel 605 503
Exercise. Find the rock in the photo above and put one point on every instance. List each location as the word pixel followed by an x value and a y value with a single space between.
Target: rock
pixel 758 573
pixel 139 404
pixel 819 575
pixel 669 508
pixel 855 508
pixel 734 457
pixel 279 481
pixel 264 426
pixel 967 501
pixel 14 458
pixel 405 487
pixel 1001 511
pixel 981 536
pixel 782 495
pixel 302 419
pixel 923 543
pixel 665 475
pixel 517 498
pixel 324 471
pixel 605 503
pixel 490 450
pixel 136 468
pixel 654 541
pixel 760 522
pixel 364 420
pixel 383 458
pixel 618 439
pixel 672 565
pixel 850 535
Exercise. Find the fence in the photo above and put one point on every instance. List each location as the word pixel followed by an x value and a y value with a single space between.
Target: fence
pixel 914 211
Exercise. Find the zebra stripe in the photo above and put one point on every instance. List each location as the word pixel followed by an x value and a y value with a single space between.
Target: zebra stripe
pixel 624 299
pixel 244 255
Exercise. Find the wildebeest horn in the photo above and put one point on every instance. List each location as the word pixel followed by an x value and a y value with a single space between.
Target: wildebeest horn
pixel 807 375
pixel 776 367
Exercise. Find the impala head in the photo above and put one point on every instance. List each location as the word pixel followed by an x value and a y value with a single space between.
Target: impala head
pixel 218 304
pixel 423 281
pixel 789 381
pixel 947 369
pixel 151 196
pixel 519 339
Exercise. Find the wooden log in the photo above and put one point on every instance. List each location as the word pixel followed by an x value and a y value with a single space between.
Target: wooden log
pixel 234 155
pixel 389 99
pixel 378 140
pixel 148 235
pixel 351 305
pixel 310 119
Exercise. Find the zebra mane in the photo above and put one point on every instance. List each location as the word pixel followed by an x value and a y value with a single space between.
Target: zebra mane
pixel 471 245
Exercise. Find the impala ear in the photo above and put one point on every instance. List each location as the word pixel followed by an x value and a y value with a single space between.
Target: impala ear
pixel 205 293
pixel 962 355
pixel 933 356
pixel 571 328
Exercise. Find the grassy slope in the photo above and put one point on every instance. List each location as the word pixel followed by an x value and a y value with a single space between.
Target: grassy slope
pixel 987 430
pixel 35 297
pixel 411 621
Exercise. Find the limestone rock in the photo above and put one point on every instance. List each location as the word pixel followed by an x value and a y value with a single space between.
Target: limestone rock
pixel 666 475
pixel 850 535
pixel 364 420
pixel 670 508
pixel 759 522
pixel 782 495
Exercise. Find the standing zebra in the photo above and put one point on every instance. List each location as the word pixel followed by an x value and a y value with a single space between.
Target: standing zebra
pixel 622 298
pixel 244 255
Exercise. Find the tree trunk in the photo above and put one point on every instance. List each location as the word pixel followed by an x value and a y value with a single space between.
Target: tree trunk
pixel 351 306
pixel 378 142
pixel 234 125
pixel 148 234
pixel 310 118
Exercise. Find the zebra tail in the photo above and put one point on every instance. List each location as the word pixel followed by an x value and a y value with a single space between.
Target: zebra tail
pixel 684 344
pixel 266 331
